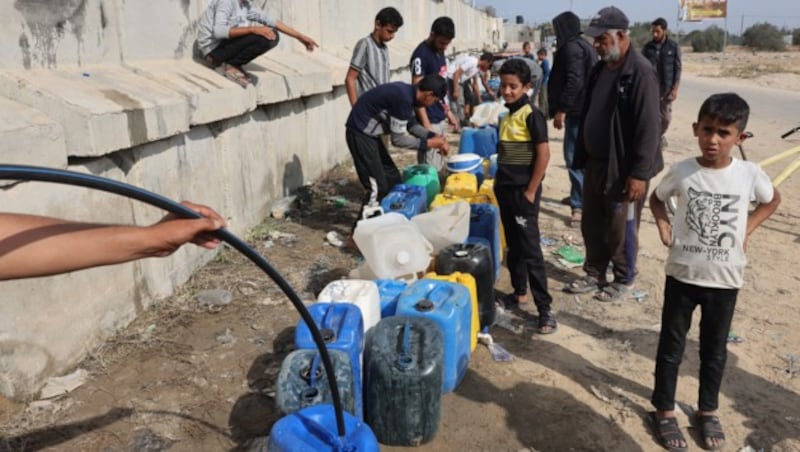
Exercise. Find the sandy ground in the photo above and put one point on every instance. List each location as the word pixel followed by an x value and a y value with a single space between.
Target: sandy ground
pixel 183 377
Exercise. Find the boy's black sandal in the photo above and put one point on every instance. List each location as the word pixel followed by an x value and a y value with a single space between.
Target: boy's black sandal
pixel 710 429
pixel 547 324
pixel 668 432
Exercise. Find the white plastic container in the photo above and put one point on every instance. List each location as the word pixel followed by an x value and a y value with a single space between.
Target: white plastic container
pixel 445 225
pixel 360 292
pixel 392 246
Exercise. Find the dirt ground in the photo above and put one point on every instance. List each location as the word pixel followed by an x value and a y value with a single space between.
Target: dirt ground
pixel 183 377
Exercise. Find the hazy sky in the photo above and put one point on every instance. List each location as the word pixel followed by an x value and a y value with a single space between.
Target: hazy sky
pixel 779 12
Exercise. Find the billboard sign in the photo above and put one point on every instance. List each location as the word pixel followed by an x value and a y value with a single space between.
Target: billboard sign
pixel 696 10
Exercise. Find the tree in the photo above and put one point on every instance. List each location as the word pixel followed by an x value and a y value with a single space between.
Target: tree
pixel 796 37
pixel 639 34
pixel 709 40
pixel 764 36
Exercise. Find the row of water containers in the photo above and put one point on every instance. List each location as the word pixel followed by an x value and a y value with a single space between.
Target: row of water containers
pixel 398 343
pixel 396 347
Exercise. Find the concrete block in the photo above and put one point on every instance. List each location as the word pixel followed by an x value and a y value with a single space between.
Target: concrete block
pixel 28 137
pixel 211 96
pixel 179 168
pixel 302 76
pixel 336 64
pixel 48 324
pixel 101 108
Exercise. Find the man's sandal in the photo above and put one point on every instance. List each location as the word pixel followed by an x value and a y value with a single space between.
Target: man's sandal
pixel 583 284
pixel 233 74
pixel 547 324
pixel 613 292
pixel 710 431
pixel 668 433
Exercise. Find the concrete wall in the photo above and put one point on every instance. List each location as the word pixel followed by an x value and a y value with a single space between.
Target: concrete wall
pixel 109 87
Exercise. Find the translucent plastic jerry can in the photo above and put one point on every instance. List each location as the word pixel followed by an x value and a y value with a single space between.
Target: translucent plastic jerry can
pixel 403 380
pixel 485 139
pixel 443 199
pixel 392 246
pixel 475 259
pixel 342 328
pixel 466 143
pixel 445 224
pixel 448 305
pixel 468 281
pixel 360 292
pixel 302 381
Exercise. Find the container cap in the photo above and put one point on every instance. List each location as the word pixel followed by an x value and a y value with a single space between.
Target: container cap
pixel 403 258
pixel 424 305
pixel 328 335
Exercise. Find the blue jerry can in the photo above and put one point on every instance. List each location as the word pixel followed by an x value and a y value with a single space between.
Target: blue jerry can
pixel 313 429
pixel 450 306
pixel 408 200
pixel 342 329
pixel 484 222
pixel 390 290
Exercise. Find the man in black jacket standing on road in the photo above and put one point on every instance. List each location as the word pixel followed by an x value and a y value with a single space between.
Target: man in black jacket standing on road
pixel 573 60
pixel 618 149
pixel 665 56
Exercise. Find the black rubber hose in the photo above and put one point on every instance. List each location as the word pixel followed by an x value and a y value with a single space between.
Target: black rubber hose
pixel 34 173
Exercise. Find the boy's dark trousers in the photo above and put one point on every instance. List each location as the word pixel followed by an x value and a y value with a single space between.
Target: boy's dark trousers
pixel 716 313
pixel 372 159
pixel 524 259
pixel 242 50
pixel 603 227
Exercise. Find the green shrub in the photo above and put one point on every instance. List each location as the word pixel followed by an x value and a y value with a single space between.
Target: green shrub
pixel 796 37
pixel 764 36
pixel 709 40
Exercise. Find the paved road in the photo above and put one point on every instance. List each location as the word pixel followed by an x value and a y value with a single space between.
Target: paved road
pixel 772 111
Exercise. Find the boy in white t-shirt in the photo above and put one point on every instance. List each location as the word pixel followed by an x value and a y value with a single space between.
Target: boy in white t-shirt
pixel 706 262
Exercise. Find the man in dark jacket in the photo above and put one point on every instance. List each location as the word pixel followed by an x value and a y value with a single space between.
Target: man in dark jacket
pixel 618 149
pixel 665 56
pixel 573 60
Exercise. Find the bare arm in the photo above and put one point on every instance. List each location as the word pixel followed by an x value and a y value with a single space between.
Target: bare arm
pixel 663 224
pixel 539 168
pixel 309 43
pixel 762 212
pixel 350 85
pixel 39 246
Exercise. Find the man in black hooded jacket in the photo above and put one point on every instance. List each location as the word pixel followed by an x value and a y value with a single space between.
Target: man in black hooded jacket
pixel 574 58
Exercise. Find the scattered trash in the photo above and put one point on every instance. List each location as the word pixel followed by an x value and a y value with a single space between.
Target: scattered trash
pixel 503 320
pixel 337 201
pixel 86 74
pixel 284 238
pixel 57 386
pixel 547 241
pixel 334 239
pixel 148 332
pixel 750 449
pixel 564 263
pixel 214 297
pixel 570 254
pixel 226 337
pixel 793 369
pixel 147 440
pixel 639 295
pixel 599 394
pixel 268 244
pixel 282 207
pixel 498 352
pixel 734 338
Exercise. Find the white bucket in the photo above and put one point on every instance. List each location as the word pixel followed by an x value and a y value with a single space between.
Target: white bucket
pixel 362 293
pixel 445 225
pixel 392 246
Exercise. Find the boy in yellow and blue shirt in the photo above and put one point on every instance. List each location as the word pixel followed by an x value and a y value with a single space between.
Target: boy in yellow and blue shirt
pixel 522 156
